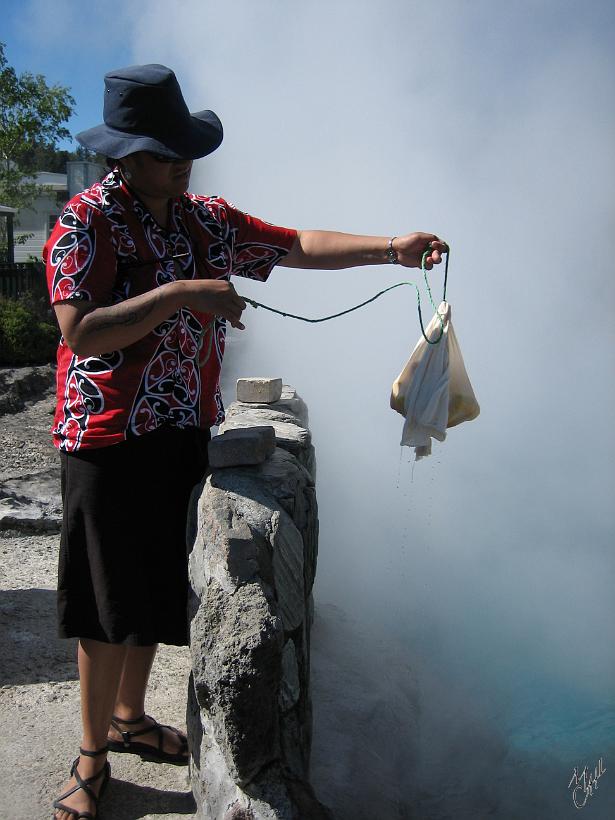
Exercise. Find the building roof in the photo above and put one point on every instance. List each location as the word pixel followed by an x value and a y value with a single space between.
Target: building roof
pixel 5 209
pixel 57 182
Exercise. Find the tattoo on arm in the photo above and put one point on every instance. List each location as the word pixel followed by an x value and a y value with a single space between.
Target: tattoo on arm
pixel 120 314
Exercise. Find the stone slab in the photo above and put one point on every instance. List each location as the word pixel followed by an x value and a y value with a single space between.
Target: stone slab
pixel 241 446
pixel 259 390
pixel 32 502
pixel 291 407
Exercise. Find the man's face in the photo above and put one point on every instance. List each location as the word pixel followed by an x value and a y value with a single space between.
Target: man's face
pixel 152 176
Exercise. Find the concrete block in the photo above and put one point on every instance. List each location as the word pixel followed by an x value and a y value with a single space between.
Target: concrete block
pixel 264 391
pixel 242 446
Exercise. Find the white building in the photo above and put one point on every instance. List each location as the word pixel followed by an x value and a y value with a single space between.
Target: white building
pixel 41 216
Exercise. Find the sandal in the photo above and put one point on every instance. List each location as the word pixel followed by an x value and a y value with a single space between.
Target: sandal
pixel 85 785
pixel 145 750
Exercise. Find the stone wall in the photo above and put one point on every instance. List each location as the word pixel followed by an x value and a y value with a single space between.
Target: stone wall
pixel 254 536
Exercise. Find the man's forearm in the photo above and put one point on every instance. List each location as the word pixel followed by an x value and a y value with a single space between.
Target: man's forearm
pixel 93 329
pixel 331 250
pixel 105 328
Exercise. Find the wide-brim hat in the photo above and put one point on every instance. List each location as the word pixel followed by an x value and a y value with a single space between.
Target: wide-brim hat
pixel 144 110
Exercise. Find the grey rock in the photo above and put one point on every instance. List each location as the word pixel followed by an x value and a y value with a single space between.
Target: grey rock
pixel 240 446
pixel 289 685
pixel 286 426
pixel 277 796
pixel 253 538
pixel 290 405
pixel 295 750
pixel 227 552
pixel 23 384
pixel 236 646
pixel 26 445
pixel 32 501
pixel 259 390
pixel 239 812
pixel 289 433
pixel 288 570
pixel 309 533
pixel 291 485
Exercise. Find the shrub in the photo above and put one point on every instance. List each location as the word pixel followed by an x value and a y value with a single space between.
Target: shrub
pixel 25 338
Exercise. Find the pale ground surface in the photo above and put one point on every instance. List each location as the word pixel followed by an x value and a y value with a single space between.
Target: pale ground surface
pixel 39 690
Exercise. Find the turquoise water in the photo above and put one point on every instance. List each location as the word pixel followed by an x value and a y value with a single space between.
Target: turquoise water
pixel 505 732
pixel 414 727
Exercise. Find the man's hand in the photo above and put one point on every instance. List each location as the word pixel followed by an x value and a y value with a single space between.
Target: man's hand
pixel 411 247
pixel 217 296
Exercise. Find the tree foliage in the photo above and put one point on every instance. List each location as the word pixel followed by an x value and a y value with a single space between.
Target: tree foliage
pixel 32 117
pixel 26 337
pixel 54 160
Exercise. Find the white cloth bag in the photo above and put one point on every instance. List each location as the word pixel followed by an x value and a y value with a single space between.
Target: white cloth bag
pixel 433 391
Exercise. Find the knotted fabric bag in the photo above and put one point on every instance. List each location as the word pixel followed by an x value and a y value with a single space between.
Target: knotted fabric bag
pixel 433 391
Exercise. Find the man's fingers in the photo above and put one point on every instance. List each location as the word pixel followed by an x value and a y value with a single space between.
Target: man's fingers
pixel 235 310
pixel 440 246
pixel 235 297
pixel 437 249
pixel 236 307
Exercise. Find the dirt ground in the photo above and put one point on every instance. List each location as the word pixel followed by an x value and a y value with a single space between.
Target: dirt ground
pixel 39 689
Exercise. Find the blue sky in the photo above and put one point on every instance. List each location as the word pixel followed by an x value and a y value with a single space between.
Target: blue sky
pixel 74 45
pixel 70 45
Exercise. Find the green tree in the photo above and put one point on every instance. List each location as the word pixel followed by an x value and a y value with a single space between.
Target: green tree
pixel 32 117
pixel 54 160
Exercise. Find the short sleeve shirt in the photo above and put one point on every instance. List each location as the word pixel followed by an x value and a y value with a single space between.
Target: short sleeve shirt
pixel 106 247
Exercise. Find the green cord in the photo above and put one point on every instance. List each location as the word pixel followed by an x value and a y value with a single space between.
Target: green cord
pixel 367 301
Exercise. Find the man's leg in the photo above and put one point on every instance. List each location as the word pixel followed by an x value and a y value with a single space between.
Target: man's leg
pixel 100 670
pixel 130 700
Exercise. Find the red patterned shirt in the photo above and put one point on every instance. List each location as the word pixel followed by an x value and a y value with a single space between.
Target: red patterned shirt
pixel 107 247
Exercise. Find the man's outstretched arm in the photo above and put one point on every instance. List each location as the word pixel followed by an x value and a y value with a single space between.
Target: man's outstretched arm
pixel 331 250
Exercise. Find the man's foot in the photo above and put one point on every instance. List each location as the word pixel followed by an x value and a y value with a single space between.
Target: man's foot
pixel 149 739
pixel 80 795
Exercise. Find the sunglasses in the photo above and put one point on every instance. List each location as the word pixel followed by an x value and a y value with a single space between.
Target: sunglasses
pixel 163 158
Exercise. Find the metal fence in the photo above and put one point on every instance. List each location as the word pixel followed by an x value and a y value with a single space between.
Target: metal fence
pixel 18 278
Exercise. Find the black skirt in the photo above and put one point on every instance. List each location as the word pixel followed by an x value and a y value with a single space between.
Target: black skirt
pixel 123 568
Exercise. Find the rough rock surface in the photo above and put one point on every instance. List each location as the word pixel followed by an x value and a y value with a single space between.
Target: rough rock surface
pixel 289 418
pixel 290 403
pixel 21 385
pixel 32 501
pixel 254 532
pixel 246 445
pixel 29 470
pixel 25 442
pixel 259 390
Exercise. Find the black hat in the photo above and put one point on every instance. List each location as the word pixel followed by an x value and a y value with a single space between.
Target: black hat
pixel 144 110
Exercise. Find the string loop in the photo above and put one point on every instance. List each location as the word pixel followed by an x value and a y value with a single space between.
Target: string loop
pixel 377 296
